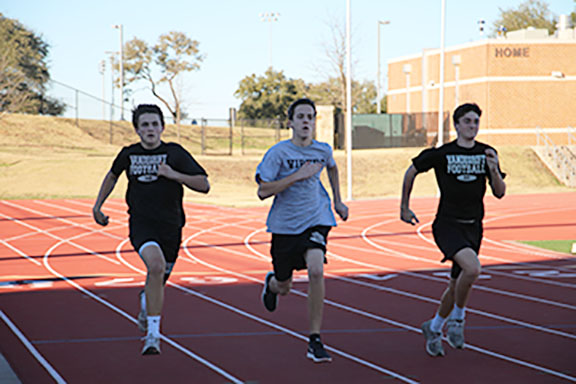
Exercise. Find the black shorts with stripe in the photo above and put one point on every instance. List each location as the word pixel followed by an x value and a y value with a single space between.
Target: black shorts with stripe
pixel 452 235
pixel 288 251
pixel 168 237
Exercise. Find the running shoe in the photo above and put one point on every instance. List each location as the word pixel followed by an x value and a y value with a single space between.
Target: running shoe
pixel 455 333
pixel 433 340
pixel 142 315
pixel 269 298
pixel 151 345
pixel 317 353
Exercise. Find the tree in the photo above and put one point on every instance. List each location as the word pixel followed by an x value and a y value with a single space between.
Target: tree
pixel 174 54
pixel 328 93
pixel 268 96
pixel 24 71
pixel 531 13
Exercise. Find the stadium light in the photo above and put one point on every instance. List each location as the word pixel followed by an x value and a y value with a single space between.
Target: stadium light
pixel 270 17
pixel 120 27
pixel 379 88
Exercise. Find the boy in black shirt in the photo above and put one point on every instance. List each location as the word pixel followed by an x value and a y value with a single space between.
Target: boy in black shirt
pixel 461 167
pixel 156 172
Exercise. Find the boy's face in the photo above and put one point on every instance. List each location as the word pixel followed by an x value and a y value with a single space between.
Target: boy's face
pixel 467 126
pixel 149 129
pixel 303 122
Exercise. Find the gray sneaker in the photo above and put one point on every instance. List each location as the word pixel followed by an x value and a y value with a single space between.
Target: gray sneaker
pixel 455 333
pixel 151 345
pixel 142 316
pixel 433 340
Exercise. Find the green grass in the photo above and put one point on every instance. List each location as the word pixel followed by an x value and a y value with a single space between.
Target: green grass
pixel 563 246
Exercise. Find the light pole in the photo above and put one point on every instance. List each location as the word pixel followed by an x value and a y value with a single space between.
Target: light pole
pixel 120 27
pixel 456 60
pixel 102 69
pixel 407 69
pixel 269 17
pixel 379 88
pixel 348 101
pixel 441 89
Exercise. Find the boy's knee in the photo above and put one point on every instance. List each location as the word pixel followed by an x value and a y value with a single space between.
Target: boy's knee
pixel 315 274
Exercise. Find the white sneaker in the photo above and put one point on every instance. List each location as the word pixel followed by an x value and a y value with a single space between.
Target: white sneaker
pixel 151 345
pixel 455 333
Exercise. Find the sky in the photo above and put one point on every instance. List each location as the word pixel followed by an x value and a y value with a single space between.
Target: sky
pixel 236 42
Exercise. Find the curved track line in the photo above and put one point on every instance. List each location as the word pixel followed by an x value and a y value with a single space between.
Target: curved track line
pixel 266 322
pixel 124 314
pixel 405 326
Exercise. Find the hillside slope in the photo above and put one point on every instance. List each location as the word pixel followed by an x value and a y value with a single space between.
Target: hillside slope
pixel 47 157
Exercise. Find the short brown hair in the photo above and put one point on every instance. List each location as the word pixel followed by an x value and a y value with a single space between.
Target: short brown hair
pixel 146 108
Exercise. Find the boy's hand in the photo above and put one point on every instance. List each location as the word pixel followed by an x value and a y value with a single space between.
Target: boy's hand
pixel 341 210
pixel 308 170
pixel 99 217
pixel 492 159
pixel 165 170
pixel 407 216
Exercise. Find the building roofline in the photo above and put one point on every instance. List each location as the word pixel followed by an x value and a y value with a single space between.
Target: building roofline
pixel 494 41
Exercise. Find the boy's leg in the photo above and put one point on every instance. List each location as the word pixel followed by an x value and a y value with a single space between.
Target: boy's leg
pixel 315 263
pixel 152 255
pixel 467 259
pixel 316 292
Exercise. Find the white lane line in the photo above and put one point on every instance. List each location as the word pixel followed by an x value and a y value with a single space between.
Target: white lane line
pixel 55 375
pixel 116 309
pixel 400 325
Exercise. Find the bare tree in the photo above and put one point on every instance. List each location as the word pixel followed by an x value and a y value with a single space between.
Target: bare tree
pixel 174 54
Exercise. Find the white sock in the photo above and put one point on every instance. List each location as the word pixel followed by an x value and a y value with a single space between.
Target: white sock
pixel 458 313
pixel 143 301
pixel 437 323
pixel 154 325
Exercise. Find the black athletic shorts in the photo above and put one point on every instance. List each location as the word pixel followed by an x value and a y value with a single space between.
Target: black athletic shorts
pixel 451 236
pixel 288 250
pixel 168 237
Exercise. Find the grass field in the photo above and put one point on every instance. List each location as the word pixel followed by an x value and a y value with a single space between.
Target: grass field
pixel 564 246
pixel 47 157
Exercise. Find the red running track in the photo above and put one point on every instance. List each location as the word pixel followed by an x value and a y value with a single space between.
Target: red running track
pixel 68 299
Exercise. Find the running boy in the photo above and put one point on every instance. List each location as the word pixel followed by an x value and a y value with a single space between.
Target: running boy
pixel 462 167
pixel 300 217
pixel 156 172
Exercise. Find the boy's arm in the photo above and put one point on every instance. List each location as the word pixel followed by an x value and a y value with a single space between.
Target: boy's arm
pixel 497 183
pixel 106 188
pixel 198 183
pixel 406 214
pixel 268 189
pixel 340 208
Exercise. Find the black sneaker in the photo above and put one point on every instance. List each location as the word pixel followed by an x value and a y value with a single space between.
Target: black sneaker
pixel 269 298
pixel 317 353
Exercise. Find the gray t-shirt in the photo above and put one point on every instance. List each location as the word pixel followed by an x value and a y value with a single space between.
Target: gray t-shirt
pixel 305 203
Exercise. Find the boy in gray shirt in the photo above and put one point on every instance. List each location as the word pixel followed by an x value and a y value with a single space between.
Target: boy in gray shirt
pixel 301 215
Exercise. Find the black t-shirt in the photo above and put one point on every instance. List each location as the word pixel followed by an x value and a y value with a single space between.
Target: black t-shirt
pixel 148 196
pixel 461 174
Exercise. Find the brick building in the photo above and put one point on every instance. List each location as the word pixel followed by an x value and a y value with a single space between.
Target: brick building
pixel 523 81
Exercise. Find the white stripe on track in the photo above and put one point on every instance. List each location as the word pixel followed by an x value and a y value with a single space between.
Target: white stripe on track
pixel 55 375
